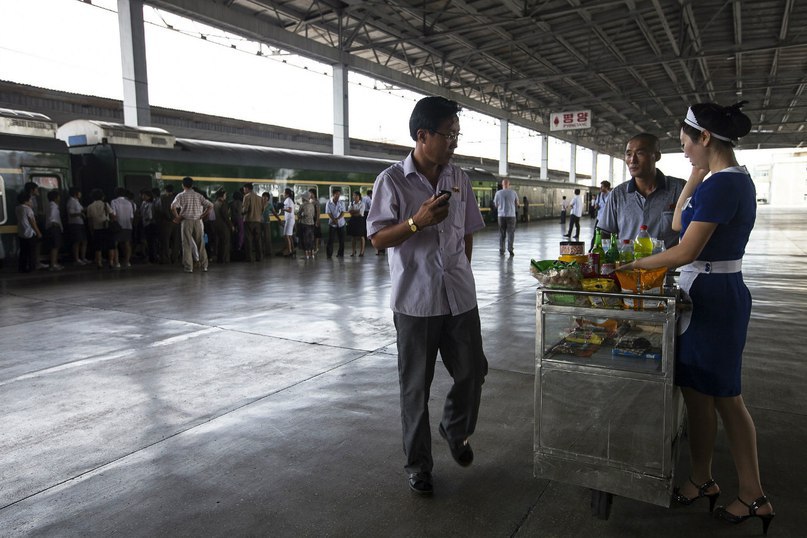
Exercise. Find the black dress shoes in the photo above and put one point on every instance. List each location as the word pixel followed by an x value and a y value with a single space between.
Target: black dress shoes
pixel 421 483
pixel 460 450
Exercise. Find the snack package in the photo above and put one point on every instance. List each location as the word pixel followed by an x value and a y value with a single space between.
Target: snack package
pixel 556 275
pixel 644 281
pixel 605 285
pixel 639 344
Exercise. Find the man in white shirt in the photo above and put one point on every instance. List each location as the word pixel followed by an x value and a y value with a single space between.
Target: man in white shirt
pixel 575 212
pixel 506 201
pixel 335 209
pixel 123 209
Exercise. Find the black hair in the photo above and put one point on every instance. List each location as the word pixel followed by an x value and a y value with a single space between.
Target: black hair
pixel 577 191
pixel 288 192
pixel 248 186
pixel 238 195
pixel 187 181
pixel 23 197
pixel 120 191
pixel 335 190
pixel 73 191
pixel 53 195
pixel 30 187
pixel 607 184
pixel 430 112
pixel 727 121
pixel 357 193
pixel 97 194
pixel 650 139
pixel 147 194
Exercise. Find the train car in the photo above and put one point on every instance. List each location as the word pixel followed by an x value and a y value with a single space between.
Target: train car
pixel 29 152
pixel 545 197
pixel 107 155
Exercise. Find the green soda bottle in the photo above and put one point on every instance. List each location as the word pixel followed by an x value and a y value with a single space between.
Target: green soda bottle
pixel 611 259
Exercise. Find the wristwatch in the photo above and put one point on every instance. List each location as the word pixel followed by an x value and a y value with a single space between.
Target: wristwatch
pixel 412 225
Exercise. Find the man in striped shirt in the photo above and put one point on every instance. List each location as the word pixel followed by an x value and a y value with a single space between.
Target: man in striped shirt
pixel 190 209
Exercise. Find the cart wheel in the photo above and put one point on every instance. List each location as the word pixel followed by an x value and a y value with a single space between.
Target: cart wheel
pixel 601 503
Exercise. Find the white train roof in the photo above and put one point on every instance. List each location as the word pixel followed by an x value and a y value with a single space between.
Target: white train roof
pixel 91 132
pixel 21 122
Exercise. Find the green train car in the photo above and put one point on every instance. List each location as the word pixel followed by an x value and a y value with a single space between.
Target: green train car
pixel 29 152
pixel 106 155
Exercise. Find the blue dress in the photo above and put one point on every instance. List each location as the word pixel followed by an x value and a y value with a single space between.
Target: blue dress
pixel 710 350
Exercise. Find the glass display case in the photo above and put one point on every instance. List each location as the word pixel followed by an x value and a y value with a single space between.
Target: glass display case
pixel 607 415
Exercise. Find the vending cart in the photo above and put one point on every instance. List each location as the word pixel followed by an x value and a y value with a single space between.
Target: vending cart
pixel 607 415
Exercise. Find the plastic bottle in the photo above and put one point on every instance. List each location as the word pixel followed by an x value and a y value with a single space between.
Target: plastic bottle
pixel 643 244
pixel 626 251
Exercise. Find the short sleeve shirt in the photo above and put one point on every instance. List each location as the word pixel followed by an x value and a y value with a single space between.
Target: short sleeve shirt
pixel 627 209
pixel 431 275
pixel 74 206
pixel 727 198
pixel 505 200
pixel 191 204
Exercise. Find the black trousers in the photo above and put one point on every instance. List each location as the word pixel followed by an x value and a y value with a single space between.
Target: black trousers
pixel 27 260
pixel 459 341
pixel 338 231
pixel 574 222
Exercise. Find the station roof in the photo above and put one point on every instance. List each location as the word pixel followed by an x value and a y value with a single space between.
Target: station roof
pixel 636 64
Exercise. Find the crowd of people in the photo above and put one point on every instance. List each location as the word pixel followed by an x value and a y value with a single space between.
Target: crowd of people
pixel 154 226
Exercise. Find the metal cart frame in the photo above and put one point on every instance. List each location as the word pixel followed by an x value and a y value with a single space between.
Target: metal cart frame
pixel 603 422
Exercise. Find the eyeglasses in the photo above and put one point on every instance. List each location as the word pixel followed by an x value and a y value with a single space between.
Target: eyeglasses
pixel 450 136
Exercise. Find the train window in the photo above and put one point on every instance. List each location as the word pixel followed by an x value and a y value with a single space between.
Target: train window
pixel 3 216
pixel 47 183
pixel 137 182
pixel 301 190
pixel 345 190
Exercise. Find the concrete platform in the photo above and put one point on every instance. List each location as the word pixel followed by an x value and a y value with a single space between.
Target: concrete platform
pixel 262 400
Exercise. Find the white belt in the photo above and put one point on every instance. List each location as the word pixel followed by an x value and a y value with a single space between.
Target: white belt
pixel 699 266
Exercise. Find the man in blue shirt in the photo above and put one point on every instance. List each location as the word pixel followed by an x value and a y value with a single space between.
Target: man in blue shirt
pixel 648 198
pixel 424 211
pixel 506 201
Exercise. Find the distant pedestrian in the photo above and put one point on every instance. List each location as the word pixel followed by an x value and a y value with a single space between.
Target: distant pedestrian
pixel 77 226
pixel 575 212
pixel 28 233
pixel 54 229
pixel 506 201
pixel 335 209
pixel 190 209
pixel 564 207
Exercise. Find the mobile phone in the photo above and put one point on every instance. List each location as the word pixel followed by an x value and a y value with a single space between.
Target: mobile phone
pixel 444 202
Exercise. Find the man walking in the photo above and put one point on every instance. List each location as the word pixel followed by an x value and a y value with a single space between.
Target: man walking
pixel 424 211
pixel 506 201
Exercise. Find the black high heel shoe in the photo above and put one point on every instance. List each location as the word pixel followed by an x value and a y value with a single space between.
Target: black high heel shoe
pixel 686 501
pixel 724 515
